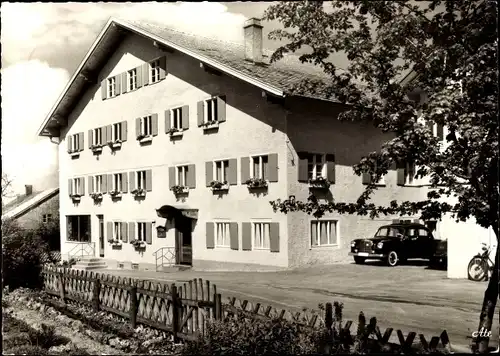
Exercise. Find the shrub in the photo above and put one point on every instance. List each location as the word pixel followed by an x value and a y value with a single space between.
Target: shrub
pixel 23 252
pixel 27 350
pixel 242 336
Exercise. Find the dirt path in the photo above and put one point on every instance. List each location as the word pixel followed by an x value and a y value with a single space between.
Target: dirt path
pixel 32 317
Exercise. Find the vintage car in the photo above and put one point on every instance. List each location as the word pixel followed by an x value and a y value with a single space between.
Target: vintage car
pixel 396 243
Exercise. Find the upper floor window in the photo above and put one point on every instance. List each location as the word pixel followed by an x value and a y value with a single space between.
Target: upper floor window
pixel 176 117
pixel 98 185
pixel 117 182
pixel 132 79
pixel 182 175
pixel 410 171
pixel 141 231
pixel 260 167
pixel 146 126
pixel 261 235
pixel 116 132
pixel 97 137
pixel 223 234
pixel 46 218
pixel 154 74
pixel 74 142
pixel 221 170
pixel 117 231
pixel 111 87
pixel 141 179
pixel 323 233
pixel 316 166
pixel 76 187
pixel 210 108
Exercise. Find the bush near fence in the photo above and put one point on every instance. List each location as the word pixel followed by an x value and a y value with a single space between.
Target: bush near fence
pixel 194 312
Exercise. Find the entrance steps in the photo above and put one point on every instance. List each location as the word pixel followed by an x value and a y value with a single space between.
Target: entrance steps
pixel 173 268
pixel 90 263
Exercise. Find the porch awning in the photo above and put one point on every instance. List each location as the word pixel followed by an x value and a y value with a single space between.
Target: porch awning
pixel 170 212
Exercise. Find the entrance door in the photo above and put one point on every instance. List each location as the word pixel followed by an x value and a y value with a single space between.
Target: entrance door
pixel 101 235
pixel 183 245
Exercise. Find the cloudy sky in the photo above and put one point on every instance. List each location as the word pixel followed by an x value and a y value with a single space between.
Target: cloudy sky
pixel 42 45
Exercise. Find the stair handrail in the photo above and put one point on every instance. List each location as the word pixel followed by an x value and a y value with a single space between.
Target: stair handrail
pixel 82 249
pixel 163 256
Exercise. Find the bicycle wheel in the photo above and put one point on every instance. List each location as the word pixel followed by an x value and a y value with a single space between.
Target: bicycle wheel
pixel 477 269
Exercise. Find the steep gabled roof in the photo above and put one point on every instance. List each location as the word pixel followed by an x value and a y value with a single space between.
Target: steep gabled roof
pixel 16 208
pixel 277 78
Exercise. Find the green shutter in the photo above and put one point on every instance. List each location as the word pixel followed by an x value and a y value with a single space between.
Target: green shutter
pixel 145 74
pixel 274 237
pixel 110 182
pixel 221 108
pixel 246 236
pixel 154 124
pixel 124 231
pixel 366 178
pixel 131 232
pixel 330 168
pixel 137 127
pixel 124 78
pixel 209 172
pixel 149 180
pixel 104 93
pixel 191 176
pixel 303 174
pixel 109 229
pixel 171 177
pixel 80 141
pixel 149 233
pixel 233 236
pixel 91 184
pixel 70 187
pixel 210 235
pixel 104 187
pixel 440 131
pixel 273 167
pixel 232 171
pixel 138 70
pixel 163 67
pixel 69 140
pixel 200 112
pixel 90 139
pixel 168 123
pixel 185 117
pixel 124 130
pixel 109 135
pixel 82 185
pixel 124 187
pixel 131 181
pixel 245 169
pixel 401 173
pixel 118 85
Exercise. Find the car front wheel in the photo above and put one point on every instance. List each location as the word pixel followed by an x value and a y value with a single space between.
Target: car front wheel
pixel 392 259
pixel 359 260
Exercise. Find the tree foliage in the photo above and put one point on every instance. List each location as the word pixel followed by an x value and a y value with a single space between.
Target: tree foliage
pixel 450 48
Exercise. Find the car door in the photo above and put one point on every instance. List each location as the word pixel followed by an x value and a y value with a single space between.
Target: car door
pixel 425 243
pixel 410 242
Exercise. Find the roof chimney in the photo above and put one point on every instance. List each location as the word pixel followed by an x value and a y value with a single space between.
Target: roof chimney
pixel 29 189
pixel 253 40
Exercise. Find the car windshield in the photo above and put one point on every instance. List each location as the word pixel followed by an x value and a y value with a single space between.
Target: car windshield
pixel 389 232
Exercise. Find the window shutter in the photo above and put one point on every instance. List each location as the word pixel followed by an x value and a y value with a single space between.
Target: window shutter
pixel 430 126
pixel 168 124
pixel 69 140
pixel 104 184
pixel 131 181
pixel 200 113
pixel 330 168
pixel 137 127
pixel 139 76
pixel 232 171
pixel 246 236
pixel 110 182
pixel 221 108
pixel 185 117
pixel 163 67
pixel 110 230
pixel 109 136
pixel 209 172
pixel 91 184
pixel 118 85
pixel 124 82
pixel 149 180
pixel 440 130
pixel 82 185
pixel 80 141
pixel 154 124
pixel 171 176
pixel 149 233
pixel 366 178
pixel 124 187
pixel 303 174
pixel 191 176
pixel 131 232
pixel 401 174
pixel 90 139
pixel 274 237
pixel 124 130
pixel 104 94
pixel 210 235
pixel 145 74
pixel 245 169
pixel 124 230
pixel 273 167
pixel 70 187
pixel 233 235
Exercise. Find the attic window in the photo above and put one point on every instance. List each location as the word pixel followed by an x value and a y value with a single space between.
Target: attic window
pixel 132 79
pixel 111 87
pixel 46 218
pixel 155 71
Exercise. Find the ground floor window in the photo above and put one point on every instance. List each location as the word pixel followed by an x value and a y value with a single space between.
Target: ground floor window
pixel 323 233
pixel 261 234
pixel 78 228
pixel 141 231
pixel 223 234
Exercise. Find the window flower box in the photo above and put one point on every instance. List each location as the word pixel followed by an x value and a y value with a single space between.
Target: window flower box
pixel 96 196
pixel 217 186
pixel 174 132
pixel 138 244
pixel 115 194
pixel 256 183
pixel 144 138
pixel 115 243
pixel 115 144
pixel 96 148
pixel 75 197
pixel 74 153
pixel 139 192
pixel 319 183
pixel 179 189
pixel 210 125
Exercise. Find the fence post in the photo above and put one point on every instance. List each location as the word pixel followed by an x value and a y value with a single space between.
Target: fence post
pixel 328 327
pixel 95 294
pixel 61 290
pixel 133 306
pixel 175 313
pixel 218 306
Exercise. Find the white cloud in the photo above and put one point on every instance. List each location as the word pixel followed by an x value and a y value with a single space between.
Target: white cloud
pixel 29 89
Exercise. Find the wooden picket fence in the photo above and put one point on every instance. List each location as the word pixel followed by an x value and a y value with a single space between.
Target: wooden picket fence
pixel 183 310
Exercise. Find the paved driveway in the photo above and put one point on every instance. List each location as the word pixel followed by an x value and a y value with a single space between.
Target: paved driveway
pixel 410 298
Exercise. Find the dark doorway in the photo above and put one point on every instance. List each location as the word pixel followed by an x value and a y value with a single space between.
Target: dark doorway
pixel 183 245
pixel 101 235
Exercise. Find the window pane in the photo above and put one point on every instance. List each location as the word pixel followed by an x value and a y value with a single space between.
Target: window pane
pixel 422 232
pixel 265 173
pixel 333 232
pixel 267 233
pixel 323 233
pixel 256 166
pixel 314 233
pixel 225 169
